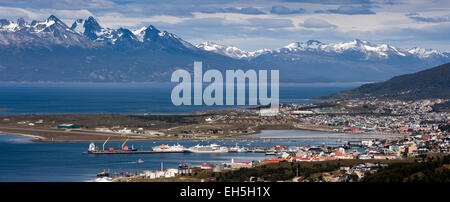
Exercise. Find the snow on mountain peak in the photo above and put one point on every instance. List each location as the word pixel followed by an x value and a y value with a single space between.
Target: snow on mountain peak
pixel 139 33
pixel 33 27
pixel 293 46
pixel 301 46
pixel 78 26
pixel 41 26
pixel 370 50
pixel 423 53
pixel 8 25
pixel 230 51
pixel 91 29
pixel 380 50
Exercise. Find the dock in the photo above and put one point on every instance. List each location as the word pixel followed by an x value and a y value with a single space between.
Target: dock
pixel 130 152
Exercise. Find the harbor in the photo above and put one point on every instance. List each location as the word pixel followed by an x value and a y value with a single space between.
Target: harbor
pixel 64 161
pixel 164 148
pixel 199 148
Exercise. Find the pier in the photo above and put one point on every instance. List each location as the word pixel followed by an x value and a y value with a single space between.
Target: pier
pixel 130 152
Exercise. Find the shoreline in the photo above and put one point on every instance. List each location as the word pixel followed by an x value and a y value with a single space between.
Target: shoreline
pixel 193 125
pixel 37 138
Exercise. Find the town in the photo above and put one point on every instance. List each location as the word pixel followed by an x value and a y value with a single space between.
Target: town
pixel 413 129
pixel 423 132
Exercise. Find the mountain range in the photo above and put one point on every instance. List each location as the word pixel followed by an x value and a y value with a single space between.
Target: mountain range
pixel 371 51
pixel 50 50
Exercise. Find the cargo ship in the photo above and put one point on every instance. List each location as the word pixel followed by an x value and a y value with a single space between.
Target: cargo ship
pixel 93 149
pixel 212 148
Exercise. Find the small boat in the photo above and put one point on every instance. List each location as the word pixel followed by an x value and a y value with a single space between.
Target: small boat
pixel 140 161
pixel 183 166
pixel 271 153
pixel 237 149
pixel 104 174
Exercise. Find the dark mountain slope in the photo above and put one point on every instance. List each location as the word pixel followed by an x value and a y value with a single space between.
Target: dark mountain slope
pixel 430 83
pixel 103 64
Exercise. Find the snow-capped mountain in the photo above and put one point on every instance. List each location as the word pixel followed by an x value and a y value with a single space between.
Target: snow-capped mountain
pixel 84 33
pixel 349 61
pixel 34 26
pixel 38 33
pixel 425 53
pixel 145 35
pixel 313 61
pixel 369 50
pixel 92 30
pixel 366 49
pixel 49 50
pixel 140 33
pixel 230 51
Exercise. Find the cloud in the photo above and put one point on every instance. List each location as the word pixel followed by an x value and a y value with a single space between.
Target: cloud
pixel 247 23
pixel 349 10
pixel 270 23
pixel 68 16
pixel 117 20
pixel 434 35
pixel 58 4
pixel 316 23
pixel 335 2
pixel 246 10
pixel 220 26
pixel 418 18
pixel 282 10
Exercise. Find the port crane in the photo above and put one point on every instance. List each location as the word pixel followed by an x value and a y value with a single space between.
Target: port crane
pixel 103 148
pixel 124 143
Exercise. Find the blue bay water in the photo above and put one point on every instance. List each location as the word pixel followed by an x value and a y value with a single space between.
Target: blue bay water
pixel 38 98
pixel 25 161
pixel 313 134
pixel 22 160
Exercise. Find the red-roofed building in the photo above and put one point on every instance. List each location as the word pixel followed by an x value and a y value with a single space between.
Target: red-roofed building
pixel 206 167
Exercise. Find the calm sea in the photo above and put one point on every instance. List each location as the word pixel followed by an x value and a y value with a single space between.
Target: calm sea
pixel 22 160
pixel 38 98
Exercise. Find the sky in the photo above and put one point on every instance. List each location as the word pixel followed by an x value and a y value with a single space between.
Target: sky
pixel 256 24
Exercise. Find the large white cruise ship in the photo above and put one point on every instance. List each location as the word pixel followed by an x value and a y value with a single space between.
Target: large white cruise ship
pixel 167 148
pixel 212 148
